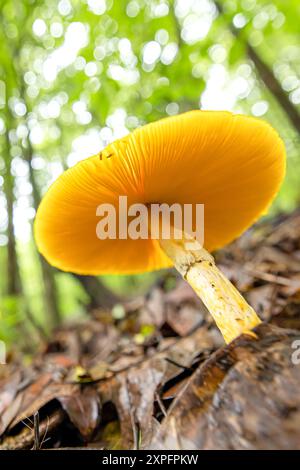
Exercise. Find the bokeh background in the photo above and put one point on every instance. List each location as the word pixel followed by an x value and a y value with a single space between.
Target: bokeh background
pixel 75 75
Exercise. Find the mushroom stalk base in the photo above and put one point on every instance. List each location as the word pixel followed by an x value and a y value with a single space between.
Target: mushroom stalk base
pixel 232 314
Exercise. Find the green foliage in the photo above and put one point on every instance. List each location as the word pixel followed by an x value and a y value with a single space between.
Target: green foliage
pixel 132 285
pixel 11 316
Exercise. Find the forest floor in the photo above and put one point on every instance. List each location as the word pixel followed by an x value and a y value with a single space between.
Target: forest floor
pixel 154 372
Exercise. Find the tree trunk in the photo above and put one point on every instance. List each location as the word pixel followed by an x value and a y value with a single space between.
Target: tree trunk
pixel 51 294
pixel 273 85
pixel 13 286
pixel 99 295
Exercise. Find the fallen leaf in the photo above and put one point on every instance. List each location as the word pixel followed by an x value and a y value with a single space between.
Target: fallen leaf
pixel 245 396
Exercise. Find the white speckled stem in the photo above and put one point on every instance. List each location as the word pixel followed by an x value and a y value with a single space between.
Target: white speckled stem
pixel 232 314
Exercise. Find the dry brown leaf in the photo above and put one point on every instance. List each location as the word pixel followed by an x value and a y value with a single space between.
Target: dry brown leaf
pixel 245 396
pixel 83 409
pixel 31 403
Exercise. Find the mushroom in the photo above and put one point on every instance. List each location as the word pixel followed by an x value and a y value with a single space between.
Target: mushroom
pixel 233 164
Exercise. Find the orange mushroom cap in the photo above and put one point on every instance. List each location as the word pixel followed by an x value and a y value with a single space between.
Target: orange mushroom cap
pixel 233 164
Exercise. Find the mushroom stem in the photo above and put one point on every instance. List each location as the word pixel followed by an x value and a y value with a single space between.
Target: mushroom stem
pixel 232 314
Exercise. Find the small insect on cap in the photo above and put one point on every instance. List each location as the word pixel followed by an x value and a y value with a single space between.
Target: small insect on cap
pixel 232 164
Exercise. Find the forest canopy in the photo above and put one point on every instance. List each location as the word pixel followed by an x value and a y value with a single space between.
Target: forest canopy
pixel 76 75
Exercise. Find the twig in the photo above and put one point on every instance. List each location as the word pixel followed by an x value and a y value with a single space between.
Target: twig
pixel 27 425
pixel 160 403
pixel 275 279
pixel 45 434
pixel 25 440
pixel 180 366
pixel 136 432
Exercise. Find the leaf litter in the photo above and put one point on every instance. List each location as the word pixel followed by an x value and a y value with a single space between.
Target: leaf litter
pixel 154 372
